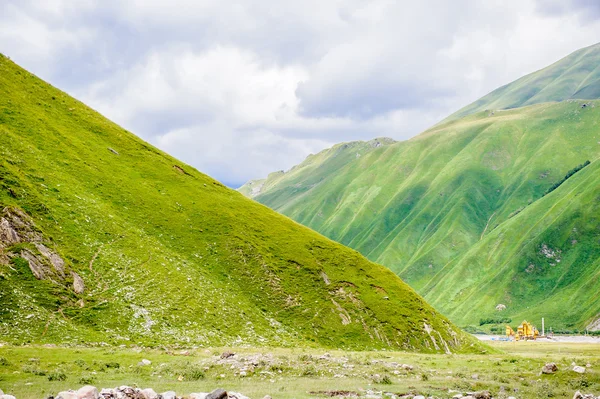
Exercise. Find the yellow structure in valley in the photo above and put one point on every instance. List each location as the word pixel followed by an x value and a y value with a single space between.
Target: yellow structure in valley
pixel 525 331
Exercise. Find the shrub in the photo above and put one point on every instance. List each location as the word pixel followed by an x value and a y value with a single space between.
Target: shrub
pixel 494 320
pixel 309 371
pixel 57 376
pixel 86 380
pixel 569 174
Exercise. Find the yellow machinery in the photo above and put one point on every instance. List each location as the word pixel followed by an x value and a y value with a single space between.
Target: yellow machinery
pixel 526 331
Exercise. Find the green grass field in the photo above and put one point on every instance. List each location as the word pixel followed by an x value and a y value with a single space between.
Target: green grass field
pixel 302 373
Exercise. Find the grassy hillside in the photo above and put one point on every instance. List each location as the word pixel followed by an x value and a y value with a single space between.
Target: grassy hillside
pixel 427 207
pixel 576 76
pixel 313 169
pixel 132 246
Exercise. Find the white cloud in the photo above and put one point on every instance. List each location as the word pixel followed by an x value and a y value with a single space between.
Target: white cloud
pixel 242 88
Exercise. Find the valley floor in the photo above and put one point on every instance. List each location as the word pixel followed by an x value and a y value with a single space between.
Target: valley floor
pixel 510 369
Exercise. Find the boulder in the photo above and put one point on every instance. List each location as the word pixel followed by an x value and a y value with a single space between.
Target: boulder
pixel 217 394
pixel 169 395
pixel 579 369
pixel 87 392
pixel 549 368
pixel 67 395
pixel 149 393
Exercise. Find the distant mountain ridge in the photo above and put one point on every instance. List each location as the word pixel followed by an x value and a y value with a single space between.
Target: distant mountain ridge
pixel 462 204
pixel 576 76
pixel 315 167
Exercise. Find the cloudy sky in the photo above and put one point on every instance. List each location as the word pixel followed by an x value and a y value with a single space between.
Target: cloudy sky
pixel 239 89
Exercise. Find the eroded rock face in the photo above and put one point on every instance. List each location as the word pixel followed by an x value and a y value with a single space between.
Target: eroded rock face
pixel 16 227
pixel 55 260
pixel 8 235
pixel 38 269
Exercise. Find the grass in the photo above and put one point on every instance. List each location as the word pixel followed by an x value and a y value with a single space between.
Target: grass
pixel 447 211
pixel 169 255
pixel 292 373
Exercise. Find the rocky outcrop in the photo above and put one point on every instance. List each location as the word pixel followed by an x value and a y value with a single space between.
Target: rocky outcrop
pixel 20 238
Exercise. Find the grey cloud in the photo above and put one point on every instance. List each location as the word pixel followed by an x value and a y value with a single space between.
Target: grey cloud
pixel 247 87
pixel 587 10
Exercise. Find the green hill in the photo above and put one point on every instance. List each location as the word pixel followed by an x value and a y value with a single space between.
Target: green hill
pixel 457 212
pixel 313 169
pixel 104 238
pixel 576 76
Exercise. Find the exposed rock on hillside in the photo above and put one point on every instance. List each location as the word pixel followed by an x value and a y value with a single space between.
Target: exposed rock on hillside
pixel 21 239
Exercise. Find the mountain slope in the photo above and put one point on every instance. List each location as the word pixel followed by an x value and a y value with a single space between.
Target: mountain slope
pixel 313 169
pixel 105 238
pixel 576 76
pixel 421 206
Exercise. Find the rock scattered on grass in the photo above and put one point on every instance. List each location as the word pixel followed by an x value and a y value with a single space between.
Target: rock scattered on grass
pixel 549 368
pixel 579 369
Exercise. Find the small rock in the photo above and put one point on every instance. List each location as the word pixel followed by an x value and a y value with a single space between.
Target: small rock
pixel 227 355
pixel 66 395
pixel 198 395
pixel 87 392
pixel 579 369
pixel 419 397
pixel 78 284
pixel 406 367
pixel 577 395
pixel 216 394
pixel 149 393
pixel 236 395
pixel 483 395
pixel 267 397
pixel 113 151
pixel 169 395
pixel 475 376
pixel 1 392
pixel 145 362
pixel 5 396
pixel 549 368
pixel 184 353
pixel 588 365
